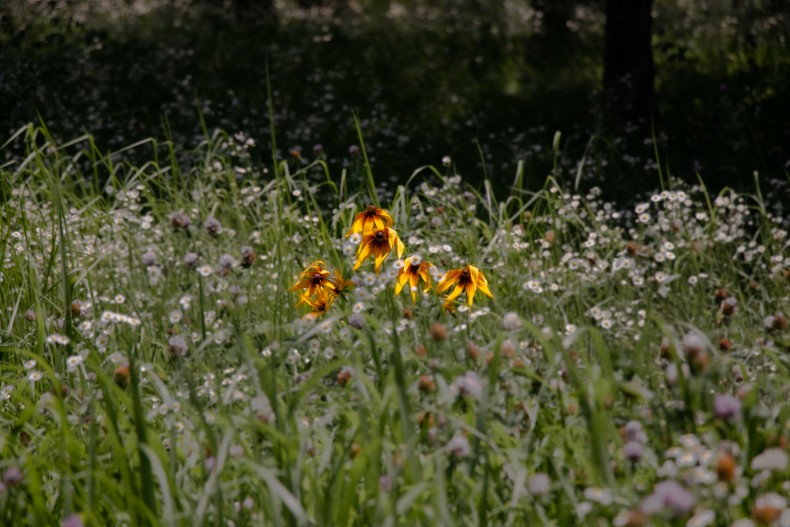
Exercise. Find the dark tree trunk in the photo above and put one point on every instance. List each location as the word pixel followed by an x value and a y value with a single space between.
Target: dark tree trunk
pixel 629 71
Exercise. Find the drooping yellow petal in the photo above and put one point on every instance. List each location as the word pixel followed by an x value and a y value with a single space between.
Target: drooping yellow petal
pixel 456 292
pixel 395 243
pixel 301 284
pixel 362 254
pixel 383 252
pixel 370 225
pixel 403 277
pixel 356 225
pixel 426 277
pixel 482 284
pixel 414 280
pixel 474 272
pixel 449 279
pixel 470 293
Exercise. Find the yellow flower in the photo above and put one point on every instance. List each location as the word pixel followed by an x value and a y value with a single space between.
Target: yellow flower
pixel 411 273
pixel 467 280
pixel 369 220
pixel 315 278
pixel 341 286
pixel 449 306
pixel 319 303
pixel 378 243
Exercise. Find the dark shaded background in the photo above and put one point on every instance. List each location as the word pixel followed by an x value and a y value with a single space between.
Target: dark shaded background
pixel 472 79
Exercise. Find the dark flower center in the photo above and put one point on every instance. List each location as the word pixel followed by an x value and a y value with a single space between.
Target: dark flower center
pixel 465 277
pixel 414 268
pixel 317 278
pixel 380 236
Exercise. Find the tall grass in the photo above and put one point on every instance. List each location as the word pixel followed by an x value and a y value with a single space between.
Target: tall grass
pixel 516 411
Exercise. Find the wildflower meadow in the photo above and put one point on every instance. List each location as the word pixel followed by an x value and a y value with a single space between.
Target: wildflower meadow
pixel 199 339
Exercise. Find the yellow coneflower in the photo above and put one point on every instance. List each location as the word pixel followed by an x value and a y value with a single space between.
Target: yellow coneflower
pixel 314 279
pixel 378 243
pixel 341 285
pixel 319 303
pixel 468 280
pixel 449 306
pixel 370 219
pixel 412 272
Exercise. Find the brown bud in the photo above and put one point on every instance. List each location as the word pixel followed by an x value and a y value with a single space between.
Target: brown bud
pixel 725 344
pixel 765 514
pixel 665 350
pixel 425 384
pixel 725 468
pixel 507 349
pixel 728 306
pixel 354 450
pixel 343 376
pixel 121 376
pixel 636 518
pixel 720 294
pixel 248 257
pixel 699 361
pixel 420 350
pixel 76 309
pixel 438 331
pixel 472 351
pixel 425 420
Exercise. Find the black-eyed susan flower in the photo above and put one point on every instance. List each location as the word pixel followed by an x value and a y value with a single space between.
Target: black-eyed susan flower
pixel 314 279
pixel 342 285
pixel 378 244
pixel 412 272
pixel 369 220
pixel 467 280
pixel 318 303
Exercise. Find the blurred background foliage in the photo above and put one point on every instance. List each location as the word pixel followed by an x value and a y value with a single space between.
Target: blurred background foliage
pixel 474 79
